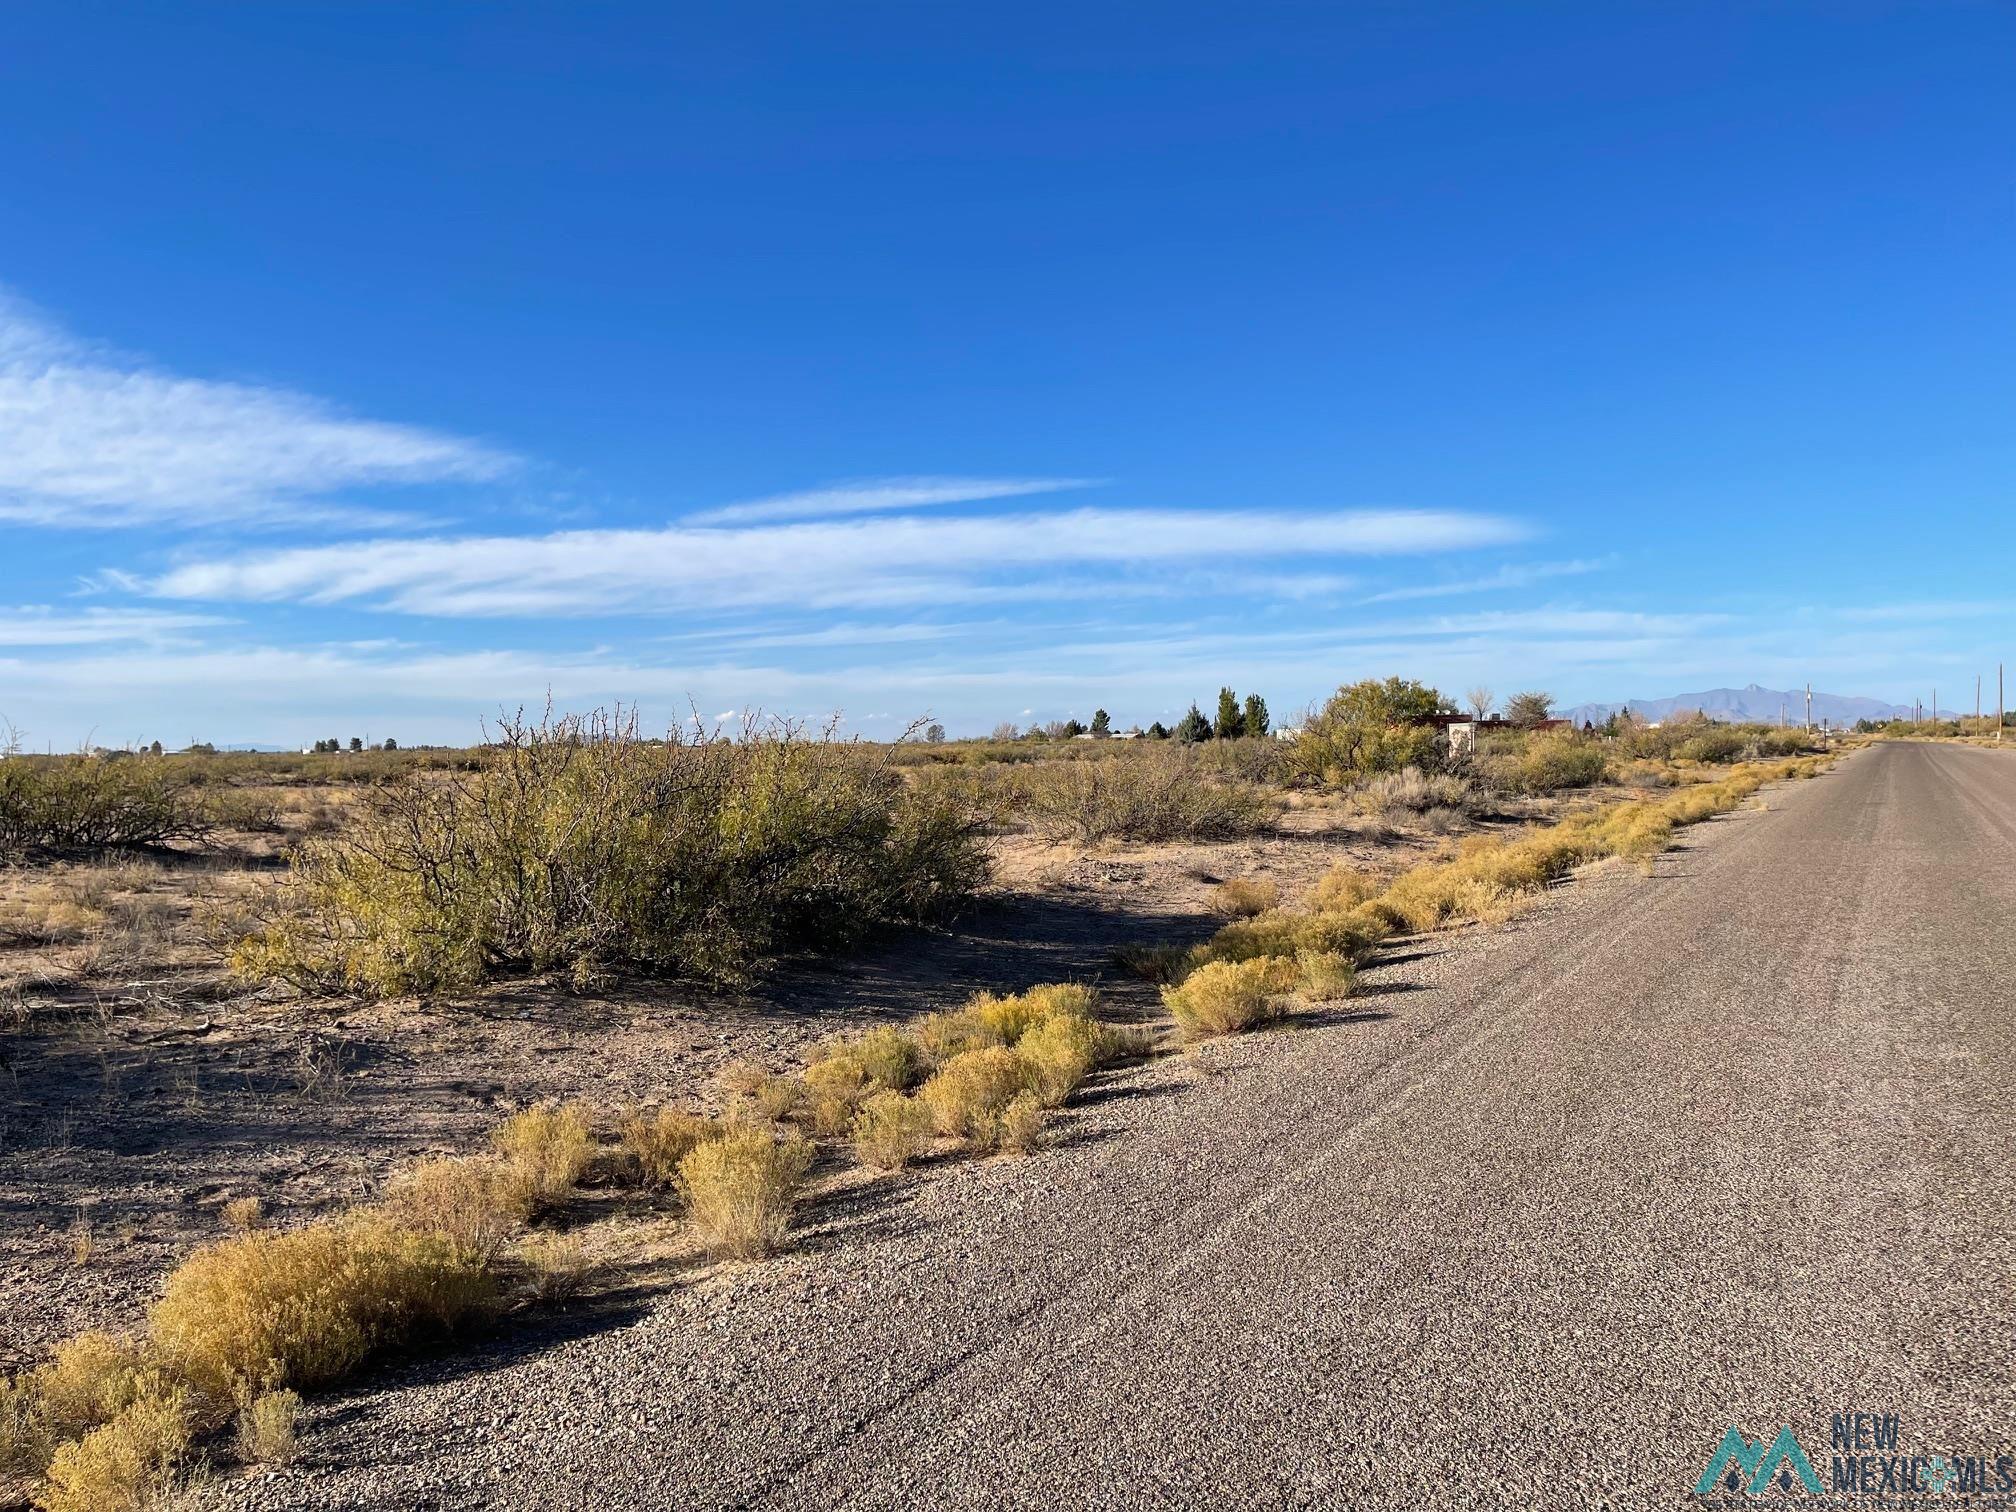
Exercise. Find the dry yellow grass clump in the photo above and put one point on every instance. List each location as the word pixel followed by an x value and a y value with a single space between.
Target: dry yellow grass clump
pixel 551 1145
pixel 1242 897
pixel 845 1072
pixel 742 1188
pixel 892 1130
pixel 474 1203
pixel 305 1307
pixel 129 1464
pixel 267 1428
pixel 970 1092
pixel 658 1139
pixel 1224 997
pixel 1057 1054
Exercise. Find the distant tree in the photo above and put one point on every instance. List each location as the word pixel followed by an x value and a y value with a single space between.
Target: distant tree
pixel 1073 729
pixel 1006 730
pixel 934 734
pixel 1230 723
pixel 154 749
pixel 1193 727
pixel 1158 731
pixel 1372 726
pixel 1479 700
pixel 199 748
pixel 1529 709
pixel 356 742
pixel 390 744
pixel 1102 723
pixel 1255 714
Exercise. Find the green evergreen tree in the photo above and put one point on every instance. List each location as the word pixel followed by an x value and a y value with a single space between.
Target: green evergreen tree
pixel 1256 714
pixel 1193 727
pixel 1230 723
pixel 1158 731
pixel 1102 723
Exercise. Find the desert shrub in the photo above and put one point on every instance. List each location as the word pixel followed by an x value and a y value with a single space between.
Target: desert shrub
pixel 1341 888
pixel 1261 760
pixel 1023 1124
pixel 307 1306
pixel 477 1205
pixel 946 1035
pixel 657 1140
pixel 969 1093
pixel 892 1130
pixel 557 1266
pixel 91 1379
pixel 1716 745
pixel 887 1059
pixel 25 1440
pixel 1242 897
pixel 128 1465
pixel 267 1428
pixel 1057 1054
pixel 742 1189
pixel 1223 997
pixel 1368 727
pixel 580 845
pixel 834 1088
pixel 242 1214
pixel 59 803
pixel 1012 1017
pixel 551 1145
pixel 1323 976
pixel 1413 791
pixel 769 1097
pixel 1286 932
pixel 1551 763
pixel 1149 795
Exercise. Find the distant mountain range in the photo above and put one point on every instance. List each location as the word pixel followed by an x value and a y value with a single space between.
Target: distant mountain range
pixel 1751 705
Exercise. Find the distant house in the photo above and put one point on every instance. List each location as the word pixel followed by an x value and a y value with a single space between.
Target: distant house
pixel 1462 730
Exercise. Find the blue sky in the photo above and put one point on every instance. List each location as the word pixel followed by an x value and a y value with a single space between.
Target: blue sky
pixel 366 369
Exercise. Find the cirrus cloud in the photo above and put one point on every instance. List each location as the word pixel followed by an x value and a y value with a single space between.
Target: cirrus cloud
pixel 92 438
pixel 822 565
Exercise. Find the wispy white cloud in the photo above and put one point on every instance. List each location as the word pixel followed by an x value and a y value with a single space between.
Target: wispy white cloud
pixel 1512 575
pixel 822 565
pixel 35 625
pixel 93 438
pixel 874 495
pixel 1930 612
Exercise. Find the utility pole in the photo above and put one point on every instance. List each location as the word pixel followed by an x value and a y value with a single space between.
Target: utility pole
pixel 1999 714
pixel 1809 707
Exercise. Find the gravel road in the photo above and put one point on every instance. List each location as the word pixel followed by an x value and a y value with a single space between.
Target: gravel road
pixel 1528 1224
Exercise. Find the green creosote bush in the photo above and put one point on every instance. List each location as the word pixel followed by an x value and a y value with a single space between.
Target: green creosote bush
pixel 62 803
pixel 580 844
